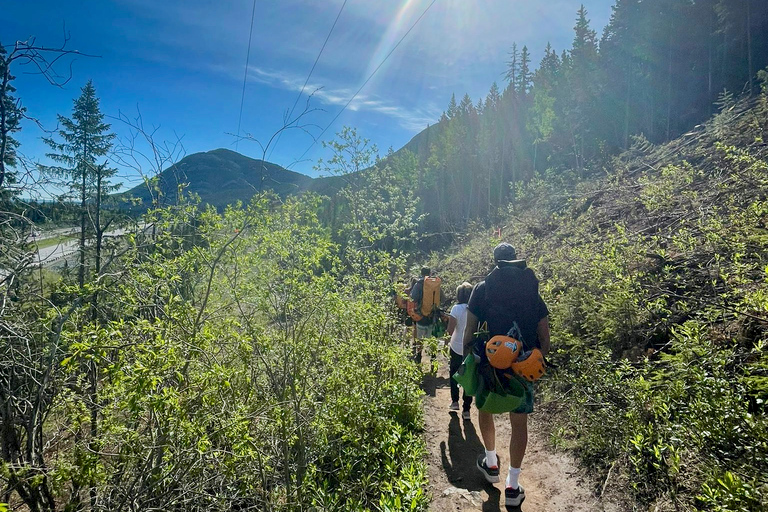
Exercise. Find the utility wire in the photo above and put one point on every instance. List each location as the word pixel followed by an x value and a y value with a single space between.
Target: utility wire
pixel 367 80
pixel 245 77
pixel 308 76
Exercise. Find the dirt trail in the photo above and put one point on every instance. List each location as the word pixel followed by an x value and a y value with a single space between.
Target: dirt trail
pixel 552 481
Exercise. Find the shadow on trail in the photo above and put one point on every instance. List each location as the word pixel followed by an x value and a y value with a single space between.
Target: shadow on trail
pixel 459 460
pixel 430 383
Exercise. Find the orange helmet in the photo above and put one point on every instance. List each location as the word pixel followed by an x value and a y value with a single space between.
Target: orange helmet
pixel 502 351
pixel 530 365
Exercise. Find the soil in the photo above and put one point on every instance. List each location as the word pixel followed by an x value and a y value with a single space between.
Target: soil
pixel 552 480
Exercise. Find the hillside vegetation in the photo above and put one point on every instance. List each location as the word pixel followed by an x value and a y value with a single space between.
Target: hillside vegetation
pixel 656 276
pixel 235 361
pixel 246 355
pixel 657 69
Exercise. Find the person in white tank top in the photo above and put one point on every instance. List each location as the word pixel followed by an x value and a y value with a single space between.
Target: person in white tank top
pixel 457 322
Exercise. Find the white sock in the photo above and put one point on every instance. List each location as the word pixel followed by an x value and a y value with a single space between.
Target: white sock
pixel 490 458
pixel 512 478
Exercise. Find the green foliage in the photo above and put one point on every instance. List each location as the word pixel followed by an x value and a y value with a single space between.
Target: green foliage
pixel 374 218
pixel 236 361
pixel 731 493
pixel 656 279
pixel 12 113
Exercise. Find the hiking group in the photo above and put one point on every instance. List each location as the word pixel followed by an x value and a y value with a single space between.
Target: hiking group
pixel 499 335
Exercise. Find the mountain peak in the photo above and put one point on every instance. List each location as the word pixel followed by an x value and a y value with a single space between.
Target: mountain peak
pixel 222 176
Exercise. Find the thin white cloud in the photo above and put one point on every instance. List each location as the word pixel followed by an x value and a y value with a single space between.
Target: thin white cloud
pixel 408 118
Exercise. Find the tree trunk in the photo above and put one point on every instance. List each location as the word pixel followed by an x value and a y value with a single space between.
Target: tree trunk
pixel 83 206
pixel 669 84
pixel 626 110
pixel 93 369
pixel 3 122
pixel 709 76
pixel 502 169
pixel 749 43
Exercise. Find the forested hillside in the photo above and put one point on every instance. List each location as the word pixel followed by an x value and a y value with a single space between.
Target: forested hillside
pixel 656 275
pixel 658 69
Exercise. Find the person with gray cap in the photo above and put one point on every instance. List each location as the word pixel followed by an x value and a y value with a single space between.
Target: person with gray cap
pixel 508 301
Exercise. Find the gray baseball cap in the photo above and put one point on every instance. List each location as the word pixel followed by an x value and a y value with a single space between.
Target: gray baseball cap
pixel 504 252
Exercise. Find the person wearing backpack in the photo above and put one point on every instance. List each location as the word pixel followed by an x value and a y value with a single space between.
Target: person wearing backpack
pixel 426 295
pixel 508 301
pixel 456 325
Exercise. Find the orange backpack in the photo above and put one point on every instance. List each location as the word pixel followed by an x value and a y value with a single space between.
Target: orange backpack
pixel 413 311
pixel 430 296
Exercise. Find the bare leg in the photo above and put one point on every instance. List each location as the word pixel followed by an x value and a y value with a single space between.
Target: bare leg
pixel 487 429
pixel 518 440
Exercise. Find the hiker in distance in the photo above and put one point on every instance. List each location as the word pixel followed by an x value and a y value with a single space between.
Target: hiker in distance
pixel 425 293
pixel 509 302
pixel 457 323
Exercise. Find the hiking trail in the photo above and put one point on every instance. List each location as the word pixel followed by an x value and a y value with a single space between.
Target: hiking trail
pixel 553 482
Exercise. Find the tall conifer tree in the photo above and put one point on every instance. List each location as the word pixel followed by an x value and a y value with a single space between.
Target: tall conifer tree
pixel 85 137
pixel 10 116
pixel 524 76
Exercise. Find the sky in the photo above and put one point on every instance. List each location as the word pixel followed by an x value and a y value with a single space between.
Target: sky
pixel 181 65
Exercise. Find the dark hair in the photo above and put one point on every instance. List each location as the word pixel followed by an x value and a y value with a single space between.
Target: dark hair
pixel 463 292
pixel 425 271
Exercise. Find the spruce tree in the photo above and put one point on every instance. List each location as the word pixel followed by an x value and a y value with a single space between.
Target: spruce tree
pixel 10 116
pixel 493 99
pixel 513 65
pixel 453 109
pixel 466 107
pixel 524 76
pixel 85 137
pixel 581 75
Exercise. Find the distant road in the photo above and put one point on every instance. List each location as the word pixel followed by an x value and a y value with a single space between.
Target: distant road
pixel 49 255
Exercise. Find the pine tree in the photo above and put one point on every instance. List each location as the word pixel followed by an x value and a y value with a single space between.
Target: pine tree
pixel 85 137
pixel 10 116
pixel 493 99
pixel 584 41
pixel 542 115
pixel 625 56
pixel 512 67
pixel 524 76
pixel 581 73
pixel 466 107
pixel 453 109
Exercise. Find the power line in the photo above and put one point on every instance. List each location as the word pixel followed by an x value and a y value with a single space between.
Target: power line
pixel 367 80
pixel 309 75
pixel 245 77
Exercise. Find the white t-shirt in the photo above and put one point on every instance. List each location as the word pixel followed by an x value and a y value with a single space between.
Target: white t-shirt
pixel 459 312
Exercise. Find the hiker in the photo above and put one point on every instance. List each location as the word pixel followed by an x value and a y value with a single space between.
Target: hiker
pixel 509 302
pixel 456 324
pixel 427 305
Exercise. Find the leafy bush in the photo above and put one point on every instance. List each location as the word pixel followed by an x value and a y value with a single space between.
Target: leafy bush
pixel 656 280
pixel 233 363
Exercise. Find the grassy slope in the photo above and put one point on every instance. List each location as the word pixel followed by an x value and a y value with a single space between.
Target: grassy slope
pixel 655 273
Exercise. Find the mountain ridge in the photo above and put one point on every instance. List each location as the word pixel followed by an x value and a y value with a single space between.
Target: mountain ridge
pixel 222 176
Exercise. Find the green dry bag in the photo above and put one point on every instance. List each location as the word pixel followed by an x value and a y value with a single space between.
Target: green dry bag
pixel 500 397
pixel 467 376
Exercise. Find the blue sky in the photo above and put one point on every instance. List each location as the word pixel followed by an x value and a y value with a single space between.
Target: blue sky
pixel 181 62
